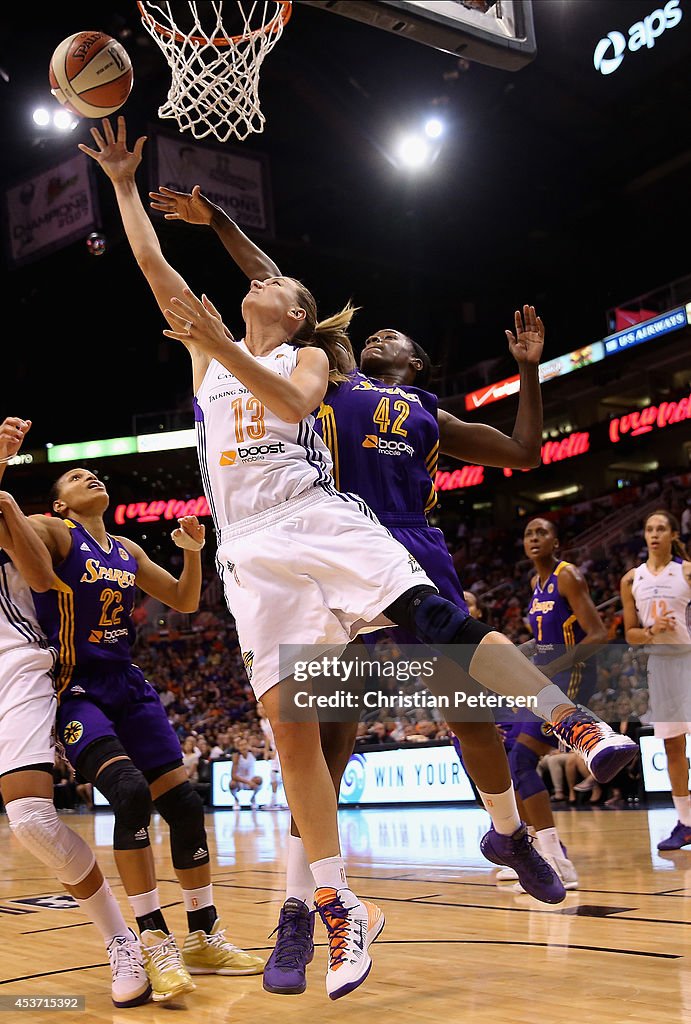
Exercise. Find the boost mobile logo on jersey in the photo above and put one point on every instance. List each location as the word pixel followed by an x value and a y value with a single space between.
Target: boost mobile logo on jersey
pixel 611 50
pixel 387 447
pixel 251 453
pixel 106 636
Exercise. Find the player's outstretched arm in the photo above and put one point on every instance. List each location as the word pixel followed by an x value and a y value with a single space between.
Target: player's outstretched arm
pixel 181 594
pixel 120 166
pixel 194 208
pixel 483 445
pixel 29 554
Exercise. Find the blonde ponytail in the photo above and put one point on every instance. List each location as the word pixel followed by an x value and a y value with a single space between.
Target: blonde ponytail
pixel 330 335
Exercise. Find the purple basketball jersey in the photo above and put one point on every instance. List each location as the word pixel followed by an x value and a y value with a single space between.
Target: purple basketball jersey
pixel 87 614
pixel 384 442
pixel 555 627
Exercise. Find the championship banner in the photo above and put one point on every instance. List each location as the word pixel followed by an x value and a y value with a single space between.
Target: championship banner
pixel 50 210
pixel 237 182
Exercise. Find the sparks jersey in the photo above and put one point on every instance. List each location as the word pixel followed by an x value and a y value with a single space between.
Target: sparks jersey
pixel 555 627
pixel 384 443
pixel 250 459
pixel 87 613
pixel 19 625
pixel 666 593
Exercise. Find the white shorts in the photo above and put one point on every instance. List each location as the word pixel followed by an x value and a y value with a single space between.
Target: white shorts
pixel 669 685
pixel 27 708
pixel 312 571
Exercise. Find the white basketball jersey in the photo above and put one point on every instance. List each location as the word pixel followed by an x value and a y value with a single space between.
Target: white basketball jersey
pixel 245 765
pixel 250 459
pixel 666 593
pixel 18 623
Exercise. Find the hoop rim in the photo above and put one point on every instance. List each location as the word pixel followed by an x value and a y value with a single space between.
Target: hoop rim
pixel 286 9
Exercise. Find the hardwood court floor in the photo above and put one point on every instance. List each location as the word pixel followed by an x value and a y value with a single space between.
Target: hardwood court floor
pixel 457 946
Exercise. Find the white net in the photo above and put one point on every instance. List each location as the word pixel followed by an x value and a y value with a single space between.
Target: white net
pixel 215 66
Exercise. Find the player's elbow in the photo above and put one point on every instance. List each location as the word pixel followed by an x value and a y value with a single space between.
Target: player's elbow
pixel 599 636
pixel 40 581
pixel 526 458
pixel 187 607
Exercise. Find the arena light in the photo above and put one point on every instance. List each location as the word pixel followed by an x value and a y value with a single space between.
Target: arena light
pixel 41 117
pixel 414 152
pixel 92 449
pixel 434 128
pixel 167 440
pixel 64 121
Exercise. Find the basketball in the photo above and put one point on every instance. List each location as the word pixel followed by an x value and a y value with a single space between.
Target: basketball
pixel 91 74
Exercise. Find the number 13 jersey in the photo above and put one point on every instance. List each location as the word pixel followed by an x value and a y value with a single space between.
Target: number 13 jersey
pixel 250 459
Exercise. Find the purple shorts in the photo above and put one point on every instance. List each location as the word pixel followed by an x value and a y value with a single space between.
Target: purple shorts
pixel 121 704
pixel 427 544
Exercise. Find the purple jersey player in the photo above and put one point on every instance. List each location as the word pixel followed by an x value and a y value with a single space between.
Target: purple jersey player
pixel 385 434
pixel 113 726
pixel 567 630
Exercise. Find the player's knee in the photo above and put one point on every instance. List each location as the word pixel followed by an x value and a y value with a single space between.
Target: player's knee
pixel 36 825
pixel 526 779
pixel 182 808
pixel 127 792
pixel 434 621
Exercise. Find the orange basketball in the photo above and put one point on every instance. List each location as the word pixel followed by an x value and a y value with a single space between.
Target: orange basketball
pixel 91 74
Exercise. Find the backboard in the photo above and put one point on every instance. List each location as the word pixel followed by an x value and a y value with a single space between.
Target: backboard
pixel 498 33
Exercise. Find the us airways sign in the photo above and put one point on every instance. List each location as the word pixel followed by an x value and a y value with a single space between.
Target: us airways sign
pixel 610 51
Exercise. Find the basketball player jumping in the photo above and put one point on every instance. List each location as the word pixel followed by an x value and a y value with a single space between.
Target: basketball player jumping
pixel 289 540
pixel 114 729
pixel 656 598
pixel 27 738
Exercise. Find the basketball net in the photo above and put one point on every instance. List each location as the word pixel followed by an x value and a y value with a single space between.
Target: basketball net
pixel 215 69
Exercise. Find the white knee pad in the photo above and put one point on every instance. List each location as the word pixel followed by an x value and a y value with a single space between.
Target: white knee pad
pixel 38 828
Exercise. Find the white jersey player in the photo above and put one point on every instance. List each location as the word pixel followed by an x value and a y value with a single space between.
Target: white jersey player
pixel 656 597
pixel 271 755
pixel 303 564
pixel 27 738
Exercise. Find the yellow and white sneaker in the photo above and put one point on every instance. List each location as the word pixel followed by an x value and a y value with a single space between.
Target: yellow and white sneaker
pixel 352 926
pixel 167 973
pixel 213 954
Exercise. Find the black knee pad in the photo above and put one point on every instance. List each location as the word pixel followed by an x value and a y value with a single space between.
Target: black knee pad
pixel 182 808
pixel 438 622
pixel 127 792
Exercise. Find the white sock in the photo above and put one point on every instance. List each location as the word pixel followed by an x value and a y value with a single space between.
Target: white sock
pixel 548 843
pixel 503 811
pixel 145 903
pixel 104 911
pixel 683 806
pixel 299 877
pixel 549 698
pixel 197 899
pixel 329 873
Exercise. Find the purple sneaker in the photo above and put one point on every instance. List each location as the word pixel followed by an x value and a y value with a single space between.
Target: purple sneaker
pixel 604 751
pixel 681 836
pixel 517 852
pixel 284 972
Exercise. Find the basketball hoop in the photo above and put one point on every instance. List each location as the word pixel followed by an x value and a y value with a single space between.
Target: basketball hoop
pixel 215 70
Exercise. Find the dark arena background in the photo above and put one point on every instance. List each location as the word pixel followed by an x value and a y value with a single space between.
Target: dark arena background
pixel 440 190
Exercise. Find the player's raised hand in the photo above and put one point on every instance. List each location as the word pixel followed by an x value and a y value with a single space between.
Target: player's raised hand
pixel 192 207
pixel 197 321
pixel 527 343
pixel 112 154
pixel 13 430
pixel 190 534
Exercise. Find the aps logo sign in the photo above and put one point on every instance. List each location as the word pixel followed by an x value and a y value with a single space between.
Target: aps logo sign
pixel 611 50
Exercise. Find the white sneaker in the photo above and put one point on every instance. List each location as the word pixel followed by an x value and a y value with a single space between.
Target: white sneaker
pixel 130 986
pixel 352 926
pixel 563 867
pixel 506 875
